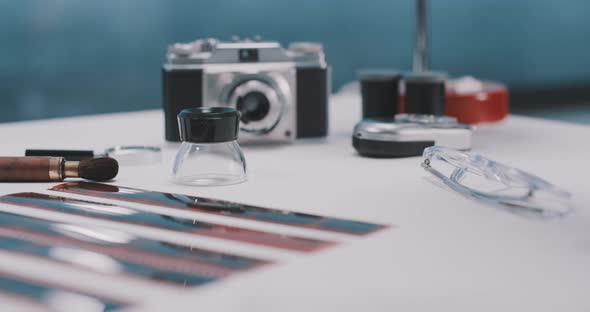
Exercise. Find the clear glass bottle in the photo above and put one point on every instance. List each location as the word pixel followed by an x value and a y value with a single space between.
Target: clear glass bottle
pixel 209 154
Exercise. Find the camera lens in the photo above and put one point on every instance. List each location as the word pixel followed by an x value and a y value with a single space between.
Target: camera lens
pixel 254 106
pixel 260 103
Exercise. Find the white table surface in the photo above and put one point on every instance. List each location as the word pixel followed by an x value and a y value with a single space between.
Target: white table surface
pixel 444 253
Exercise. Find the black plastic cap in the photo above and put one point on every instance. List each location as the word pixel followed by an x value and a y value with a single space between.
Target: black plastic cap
pixel 380 93
pixel 425 94
pixel 208 124
pixel 389 149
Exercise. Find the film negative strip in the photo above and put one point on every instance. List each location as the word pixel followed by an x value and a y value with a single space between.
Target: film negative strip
pixel 17 293
pixel 219 207
pixel 128 215
pixel 117 252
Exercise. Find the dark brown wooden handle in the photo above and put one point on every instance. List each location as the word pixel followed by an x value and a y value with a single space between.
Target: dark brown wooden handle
pixel 30 169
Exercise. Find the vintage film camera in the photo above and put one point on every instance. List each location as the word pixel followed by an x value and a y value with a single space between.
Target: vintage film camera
pixel 282 94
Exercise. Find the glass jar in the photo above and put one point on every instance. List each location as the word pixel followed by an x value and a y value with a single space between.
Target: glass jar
pixel 209 154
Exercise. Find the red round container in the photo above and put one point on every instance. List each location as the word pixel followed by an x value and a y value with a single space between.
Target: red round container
pixel 489 104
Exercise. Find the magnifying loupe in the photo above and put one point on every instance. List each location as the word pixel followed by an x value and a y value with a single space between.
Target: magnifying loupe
pixel 485 180
pixel 125 155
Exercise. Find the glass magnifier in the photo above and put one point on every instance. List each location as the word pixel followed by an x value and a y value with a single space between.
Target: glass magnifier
pixel 210 154
pixel 135 155
pixel 485 180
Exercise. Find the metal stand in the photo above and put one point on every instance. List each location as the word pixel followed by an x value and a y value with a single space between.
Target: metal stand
pixel 421 48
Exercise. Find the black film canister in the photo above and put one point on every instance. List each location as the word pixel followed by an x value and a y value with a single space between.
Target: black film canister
pixel 425 94
pixel 380 93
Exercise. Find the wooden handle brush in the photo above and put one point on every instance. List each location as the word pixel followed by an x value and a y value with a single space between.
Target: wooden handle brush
pixel 44 169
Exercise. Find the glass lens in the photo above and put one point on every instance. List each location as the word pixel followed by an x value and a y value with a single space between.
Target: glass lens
pixel 259 102
pixel 488 181
pixel 254 106
pixel 135 155
pixel 474 179
pixel 209 164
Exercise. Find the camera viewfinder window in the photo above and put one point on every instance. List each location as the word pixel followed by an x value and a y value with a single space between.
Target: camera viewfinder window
pixel 248 55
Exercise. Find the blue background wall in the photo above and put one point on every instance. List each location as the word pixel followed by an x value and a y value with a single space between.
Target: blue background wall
pixel 68 57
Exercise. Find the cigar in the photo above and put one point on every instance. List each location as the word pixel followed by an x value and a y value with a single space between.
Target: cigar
pixel 47 169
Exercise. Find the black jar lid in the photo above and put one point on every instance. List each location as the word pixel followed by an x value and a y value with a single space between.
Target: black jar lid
pixel 379 74
pixel 425 93
pixel 379 92
pixel 208 124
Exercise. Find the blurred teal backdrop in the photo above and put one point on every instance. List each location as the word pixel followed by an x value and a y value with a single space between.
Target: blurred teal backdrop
pixel 70 57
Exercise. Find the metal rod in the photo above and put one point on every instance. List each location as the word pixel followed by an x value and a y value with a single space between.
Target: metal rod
pixel 421 48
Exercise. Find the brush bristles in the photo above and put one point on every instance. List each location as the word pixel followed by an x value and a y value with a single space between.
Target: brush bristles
pixel 98 169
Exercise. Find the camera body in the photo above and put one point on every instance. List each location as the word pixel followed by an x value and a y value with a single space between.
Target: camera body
pixel 282 94
pixel 408 135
